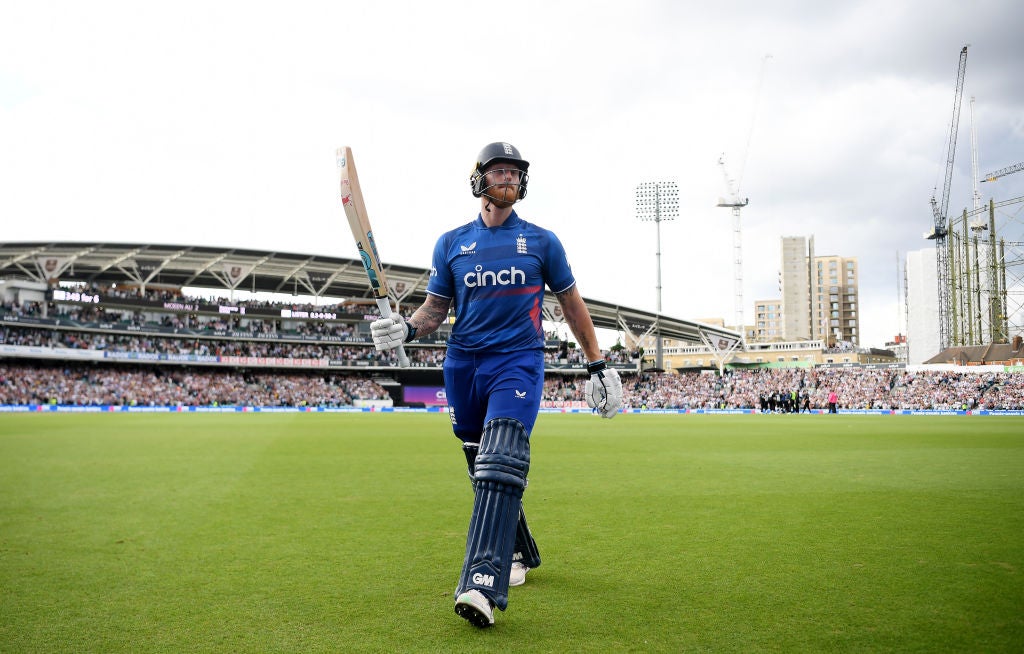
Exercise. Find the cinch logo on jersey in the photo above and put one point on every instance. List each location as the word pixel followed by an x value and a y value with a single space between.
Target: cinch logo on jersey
pixel 483 580
pixel 479 277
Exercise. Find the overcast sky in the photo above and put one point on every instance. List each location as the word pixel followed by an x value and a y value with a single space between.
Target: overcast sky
pixel 215 123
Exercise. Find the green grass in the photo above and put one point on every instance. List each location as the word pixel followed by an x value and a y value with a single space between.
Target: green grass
pixel 659 533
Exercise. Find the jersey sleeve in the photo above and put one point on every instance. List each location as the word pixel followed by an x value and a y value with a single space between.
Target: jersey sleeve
pixel 440 282
pixel 557 273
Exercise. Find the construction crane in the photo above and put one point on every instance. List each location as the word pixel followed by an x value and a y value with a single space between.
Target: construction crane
pixel 1002 172
pixel 940 209
pixel 974 159
pixel 735 203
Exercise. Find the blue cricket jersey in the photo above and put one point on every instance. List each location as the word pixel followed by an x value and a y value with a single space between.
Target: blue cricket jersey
pixel 496 276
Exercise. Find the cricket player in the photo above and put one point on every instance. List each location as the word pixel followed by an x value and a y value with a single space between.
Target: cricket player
pixel 495 270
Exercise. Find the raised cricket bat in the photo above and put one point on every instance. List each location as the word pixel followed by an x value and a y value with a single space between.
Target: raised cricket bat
pixel 355 211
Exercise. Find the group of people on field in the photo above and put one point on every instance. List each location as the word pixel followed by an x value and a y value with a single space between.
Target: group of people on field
pixel 785 402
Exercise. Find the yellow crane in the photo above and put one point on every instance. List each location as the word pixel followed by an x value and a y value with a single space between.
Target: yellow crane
pixel 1002 172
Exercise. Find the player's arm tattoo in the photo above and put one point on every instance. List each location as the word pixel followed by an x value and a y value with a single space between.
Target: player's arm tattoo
pixel 578 318
pixel 430 315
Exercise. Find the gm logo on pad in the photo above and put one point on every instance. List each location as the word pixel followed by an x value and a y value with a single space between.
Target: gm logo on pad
pixel 483 580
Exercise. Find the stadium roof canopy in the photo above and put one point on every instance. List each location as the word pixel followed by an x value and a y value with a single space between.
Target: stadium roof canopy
pixel 260 271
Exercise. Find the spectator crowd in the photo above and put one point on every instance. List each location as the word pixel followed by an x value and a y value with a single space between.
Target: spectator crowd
pixel 769 390
pixel 91 385
pixel 798 389
pixel 86 384
pixel 204 347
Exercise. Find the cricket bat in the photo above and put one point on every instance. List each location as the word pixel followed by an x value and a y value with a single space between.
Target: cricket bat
pixel 359 222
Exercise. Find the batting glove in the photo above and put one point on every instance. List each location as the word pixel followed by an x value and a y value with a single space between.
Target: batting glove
pixel 389 333
pixel 604 389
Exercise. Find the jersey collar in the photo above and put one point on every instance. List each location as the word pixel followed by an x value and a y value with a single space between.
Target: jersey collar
pixel 513 220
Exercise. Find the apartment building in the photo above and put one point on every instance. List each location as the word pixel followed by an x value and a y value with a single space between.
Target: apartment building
pixel 768 321
pixel 820 298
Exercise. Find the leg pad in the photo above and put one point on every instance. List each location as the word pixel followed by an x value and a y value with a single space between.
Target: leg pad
pixel 499 477
pixel 526 551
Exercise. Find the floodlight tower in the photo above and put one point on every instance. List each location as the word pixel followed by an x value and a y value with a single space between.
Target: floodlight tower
pixel 657 201
pixel 735 203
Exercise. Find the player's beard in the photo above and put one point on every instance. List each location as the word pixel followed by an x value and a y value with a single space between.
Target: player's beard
pixel 503 196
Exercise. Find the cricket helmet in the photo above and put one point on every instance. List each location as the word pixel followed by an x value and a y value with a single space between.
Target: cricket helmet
pixel 498 153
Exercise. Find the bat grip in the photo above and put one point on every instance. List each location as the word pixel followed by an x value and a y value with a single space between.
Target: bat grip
pixel 384 305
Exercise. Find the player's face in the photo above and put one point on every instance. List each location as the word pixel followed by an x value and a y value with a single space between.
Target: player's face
pixel 502 178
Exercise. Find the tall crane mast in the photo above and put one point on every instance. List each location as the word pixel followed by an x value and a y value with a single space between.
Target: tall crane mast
pixel 735 203
pixel 939 212
pixel 974 159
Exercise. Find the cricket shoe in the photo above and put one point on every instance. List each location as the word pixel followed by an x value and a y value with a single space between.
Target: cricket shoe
pixel 517 576
pixel 476 608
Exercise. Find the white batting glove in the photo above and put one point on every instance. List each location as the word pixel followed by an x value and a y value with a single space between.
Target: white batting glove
pixel 389 333
pixel 604 389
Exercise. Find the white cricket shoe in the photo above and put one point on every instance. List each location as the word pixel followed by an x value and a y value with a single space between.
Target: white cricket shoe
pixel 476 608
pixel 517 577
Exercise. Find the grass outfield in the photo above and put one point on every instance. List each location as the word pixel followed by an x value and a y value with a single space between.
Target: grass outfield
pixel 345 533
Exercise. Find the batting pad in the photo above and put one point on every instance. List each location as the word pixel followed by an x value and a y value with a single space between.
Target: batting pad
pixel 499 480
pixel 525 551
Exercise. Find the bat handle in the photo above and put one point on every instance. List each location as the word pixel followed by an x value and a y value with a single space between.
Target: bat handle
pixel 385 312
